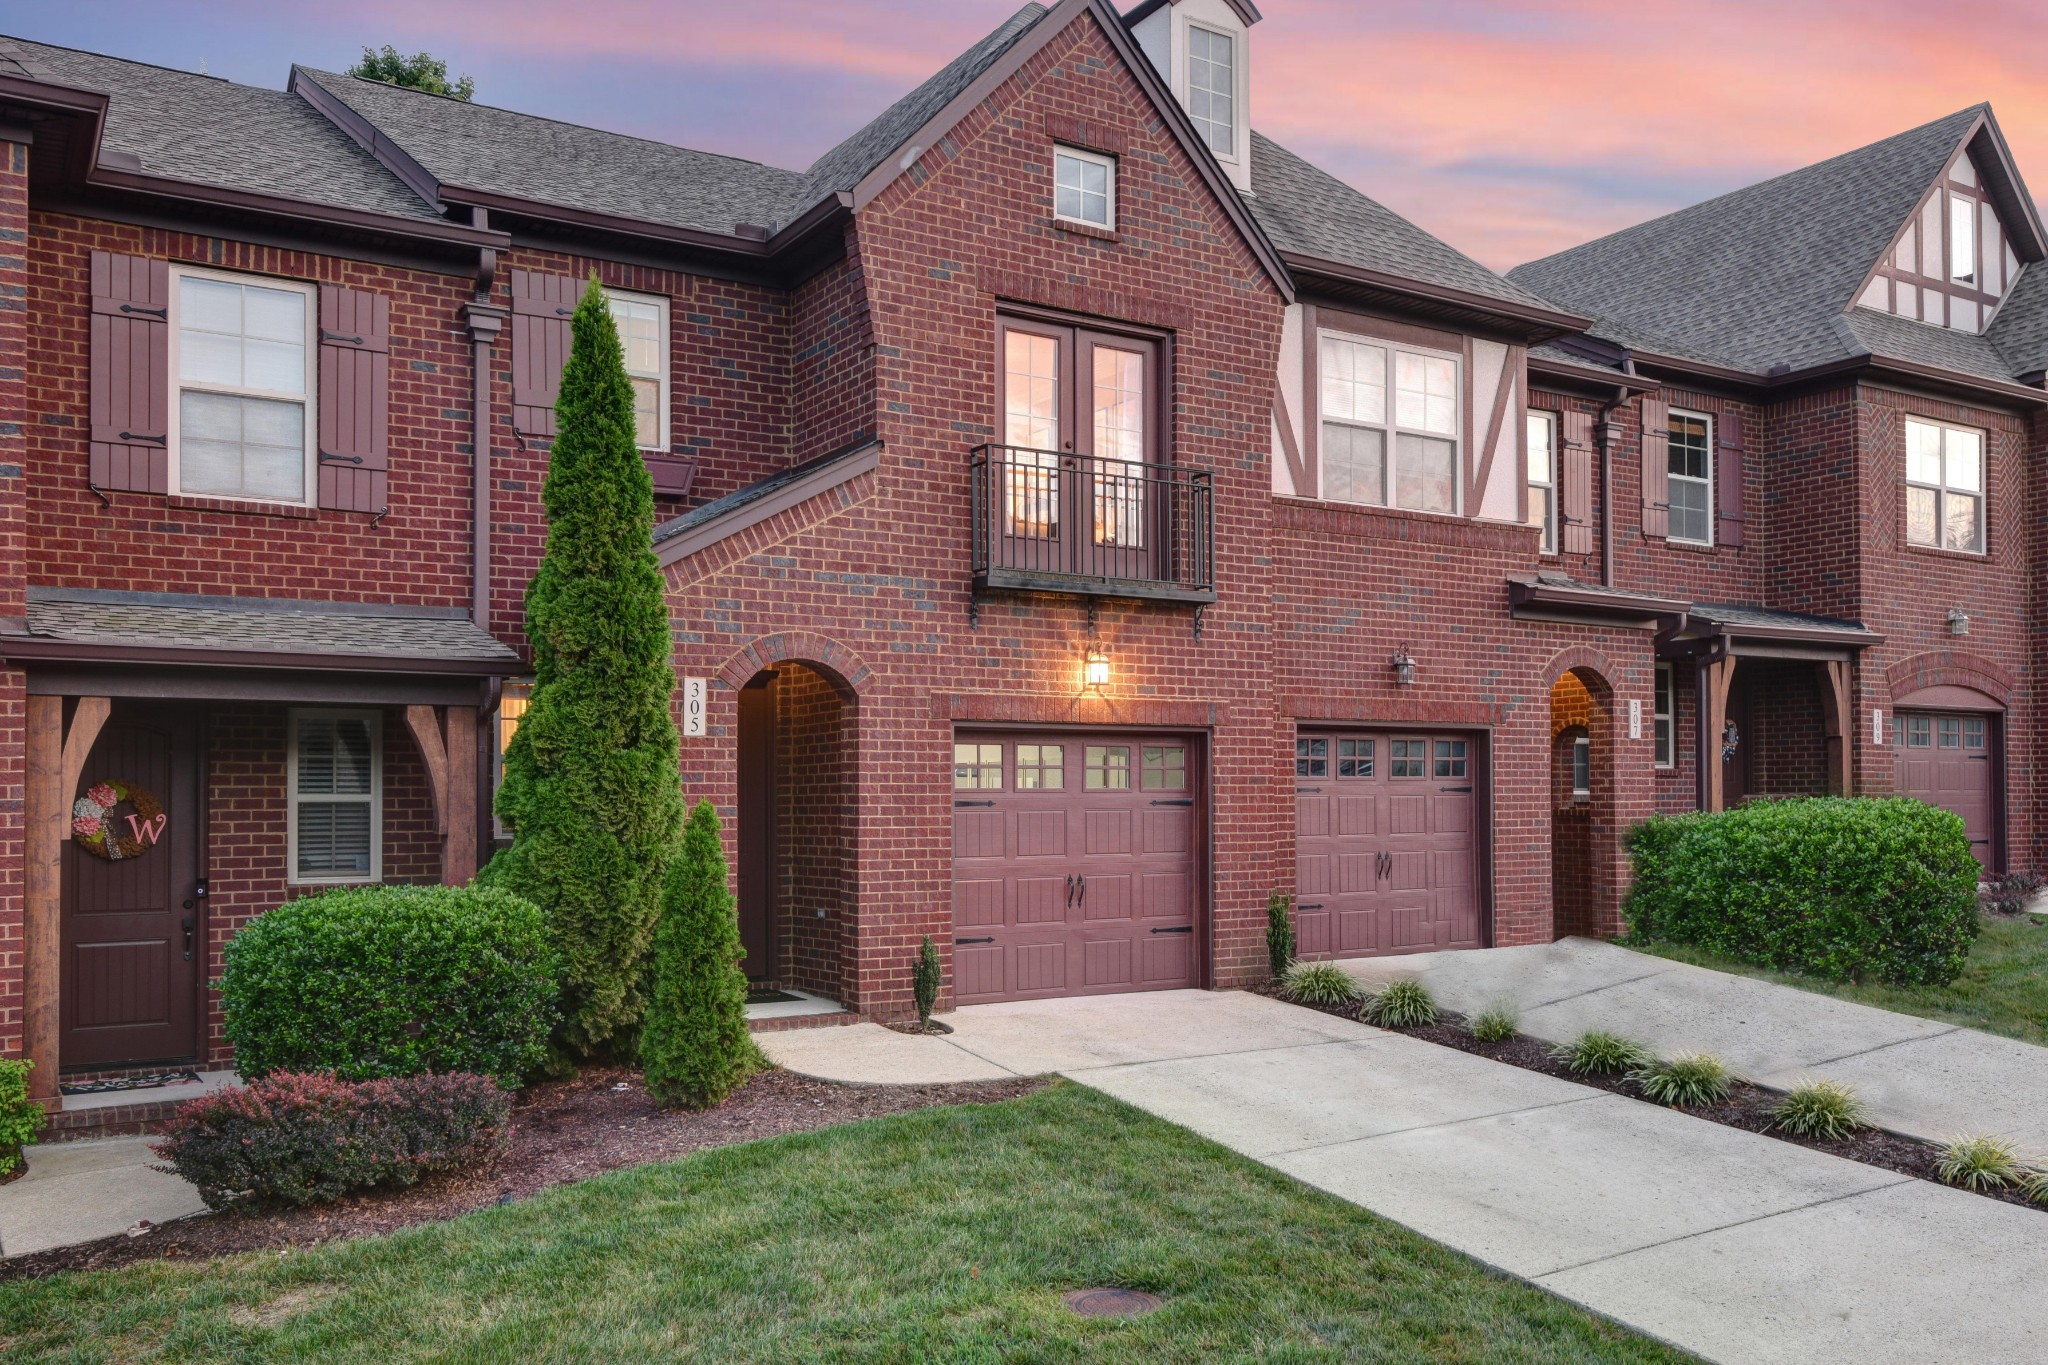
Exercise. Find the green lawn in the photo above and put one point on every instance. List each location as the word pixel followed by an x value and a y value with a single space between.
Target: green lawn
pixel 2004 989
pixel 944 1235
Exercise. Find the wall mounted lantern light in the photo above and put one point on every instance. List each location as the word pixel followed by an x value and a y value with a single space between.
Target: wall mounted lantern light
pixel 1958 621
pixel 1095 672
pixel 1404 667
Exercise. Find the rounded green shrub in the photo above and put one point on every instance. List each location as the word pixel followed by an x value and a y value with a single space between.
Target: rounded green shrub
pixel 1980 1163
pixel 1400 1004
pixel 392 981
pixel 1495 1025
pixel 1600 1054
pixel 1827 1110
pixel 1319 983
pixel 1842 888
pixel 1690 1079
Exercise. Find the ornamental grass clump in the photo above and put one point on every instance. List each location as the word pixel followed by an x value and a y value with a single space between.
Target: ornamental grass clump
pixel 1495 1025
pixel 2035 1183
pixel 1600 1054
pixel 1827 1110
pixel 1400 1004
pixel 590 790
pixel 694 1044
pixel 1980 1162
pixel 1319 983
pixel 1690 1079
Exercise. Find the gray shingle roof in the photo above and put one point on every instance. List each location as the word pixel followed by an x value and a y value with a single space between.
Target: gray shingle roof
pixel 259 625
pixel 1310 212
pixel 217 133
pixel 1758 277
pixel 1737 616
pixel 2020 331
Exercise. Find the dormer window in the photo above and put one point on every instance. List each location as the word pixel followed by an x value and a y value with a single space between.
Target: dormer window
pixel 1084 188
pixel 1212 88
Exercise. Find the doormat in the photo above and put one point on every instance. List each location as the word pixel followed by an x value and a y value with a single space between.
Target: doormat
pixel 152 1081
pixel 763 996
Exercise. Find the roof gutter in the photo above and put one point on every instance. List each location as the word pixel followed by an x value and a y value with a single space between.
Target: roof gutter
pixel 47 649
pixel 1557 324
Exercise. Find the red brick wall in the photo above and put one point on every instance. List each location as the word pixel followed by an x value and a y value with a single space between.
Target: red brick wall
pixel 832 369
pixel 815 787
pixel 1786 736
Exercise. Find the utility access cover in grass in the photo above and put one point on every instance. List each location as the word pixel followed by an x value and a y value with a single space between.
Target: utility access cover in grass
pixel 949 1234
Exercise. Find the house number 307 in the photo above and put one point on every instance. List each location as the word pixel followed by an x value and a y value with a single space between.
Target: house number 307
pixel 696 695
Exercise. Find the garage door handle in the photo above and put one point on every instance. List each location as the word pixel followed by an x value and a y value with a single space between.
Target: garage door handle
pixel 1186 802
pixel 1081 886
pixel 962 942
pixel 1177 929
pixel 1070 891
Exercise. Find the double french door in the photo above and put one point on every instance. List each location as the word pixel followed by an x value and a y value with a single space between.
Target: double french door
pixel 1079 465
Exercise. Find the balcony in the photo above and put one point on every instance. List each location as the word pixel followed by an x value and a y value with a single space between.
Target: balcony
pixel 1054 521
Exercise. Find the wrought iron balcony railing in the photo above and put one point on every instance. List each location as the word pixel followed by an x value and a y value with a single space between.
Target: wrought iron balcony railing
pixel 1054 521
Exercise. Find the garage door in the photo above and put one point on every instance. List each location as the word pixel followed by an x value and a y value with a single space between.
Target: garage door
pixel 1384 852
pixel 1073 865
pixel 1944 759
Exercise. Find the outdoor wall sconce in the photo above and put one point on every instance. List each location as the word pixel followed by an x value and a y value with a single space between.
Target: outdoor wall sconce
pixel 1404 667
pixel 1095 672
pixel 1958 621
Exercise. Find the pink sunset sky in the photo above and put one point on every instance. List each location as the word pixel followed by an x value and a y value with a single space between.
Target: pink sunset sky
pixel 1511 130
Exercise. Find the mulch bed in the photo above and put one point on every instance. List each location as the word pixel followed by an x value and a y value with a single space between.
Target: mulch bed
pixel 1747 1106
pixel 562 1131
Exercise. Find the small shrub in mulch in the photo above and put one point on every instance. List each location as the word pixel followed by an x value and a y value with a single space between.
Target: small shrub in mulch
pixel 2008 897
pixel 1319 984
pixel 21 1118
pixel 308 1138
pixel 1400 1004
pixel 1821 1109
pixel 1690 1080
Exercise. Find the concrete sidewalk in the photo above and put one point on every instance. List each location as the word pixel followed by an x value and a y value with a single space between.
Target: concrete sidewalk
pixel 1731 1245
pixel 83 1191
pixel 1919 1076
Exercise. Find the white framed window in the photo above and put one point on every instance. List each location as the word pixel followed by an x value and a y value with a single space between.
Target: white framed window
pixel 1582 768
pixel 642 320
pixel 1212 88
pixel 1543 477
pixel 334 786
pixel 1662 709
pixel 1084 187
pixel 1389 428
pixel 1962 239
pixel 1944 486
pixel 1690 491
pixel 513 698
pixel 242 372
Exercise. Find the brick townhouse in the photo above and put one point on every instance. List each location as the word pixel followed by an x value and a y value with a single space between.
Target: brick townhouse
pixel 1082 518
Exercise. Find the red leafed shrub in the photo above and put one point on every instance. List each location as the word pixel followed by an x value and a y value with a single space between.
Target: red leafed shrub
pixel 297 1137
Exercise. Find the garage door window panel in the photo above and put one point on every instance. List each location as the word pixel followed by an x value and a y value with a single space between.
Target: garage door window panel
pixel 1408 758
pixel 1164 769
pixel 977 767
pixel 1041 767
pixel 1311 758
pixel 1108 768
pixel 1355 757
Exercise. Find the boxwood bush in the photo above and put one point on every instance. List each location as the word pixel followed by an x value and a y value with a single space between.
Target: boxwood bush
pixel 1841 888
pixel 392 981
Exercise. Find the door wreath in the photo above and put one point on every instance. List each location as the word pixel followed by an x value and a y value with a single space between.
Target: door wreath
pixel 97 820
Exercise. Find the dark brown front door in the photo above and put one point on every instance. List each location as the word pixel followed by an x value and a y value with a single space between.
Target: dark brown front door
pixel 757 826
pixel 1073 864
pixel 131 925
pixel 1384 851
pixel 1945 759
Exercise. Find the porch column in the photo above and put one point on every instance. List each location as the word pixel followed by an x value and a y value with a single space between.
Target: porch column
pixel 1716 675
pixel 55 761
pixel 1838 719
pixel 446 746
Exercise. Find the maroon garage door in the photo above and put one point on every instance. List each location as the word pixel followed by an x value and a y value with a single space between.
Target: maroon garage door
pixel 1944 759
pixel 1073 865
pixel 1384 859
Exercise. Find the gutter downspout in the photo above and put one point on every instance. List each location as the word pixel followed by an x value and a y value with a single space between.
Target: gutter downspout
pixel 486 323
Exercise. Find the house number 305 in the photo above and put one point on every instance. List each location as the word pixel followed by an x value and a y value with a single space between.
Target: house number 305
pixel 696 695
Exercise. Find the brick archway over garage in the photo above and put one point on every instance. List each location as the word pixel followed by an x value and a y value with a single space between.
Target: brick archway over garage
pixel 1948 668
pixel 819 652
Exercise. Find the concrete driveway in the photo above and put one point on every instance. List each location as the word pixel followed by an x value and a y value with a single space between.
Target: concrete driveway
pixel 1920 1077
pixel 1731 1245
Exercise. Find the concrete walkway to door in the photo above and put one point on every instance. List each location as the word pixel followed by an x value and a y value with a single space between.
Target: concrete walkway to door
pixel 1920 1077
pixel 1734 1246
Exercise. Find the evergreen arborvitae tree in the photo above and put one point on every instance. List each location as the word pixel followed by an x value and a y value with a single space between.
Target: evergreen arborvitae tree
pixel 694 1044
pixel 591 791
pixel 925 982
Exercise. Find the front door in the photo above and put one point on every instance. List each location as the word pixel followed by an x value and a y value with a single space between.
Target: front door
pixel 130 980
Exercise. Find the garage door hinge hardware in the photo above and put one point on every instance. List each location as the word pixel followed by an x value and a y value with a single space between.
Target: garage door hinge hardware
pixel 1186 801
pixel 1177 929
pixel 961 942
pixel 1300 790
pixel 1454 789
pixel 1307 905
pixel 963 805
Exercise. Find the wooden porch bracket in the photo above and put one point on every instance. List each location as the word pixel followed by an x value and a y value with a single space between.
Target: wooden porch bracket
pixel 1839 720
pixel 1716 677
pixel 55 763
pixel 446 737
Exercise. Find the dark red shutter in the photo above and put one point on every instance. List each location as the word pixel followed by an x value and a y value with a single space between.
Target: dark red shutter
pixel 541 308
pixel 1575 535
pixel 131 373
pixel 1728 480
pixel 1656 468
pixel 355 399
